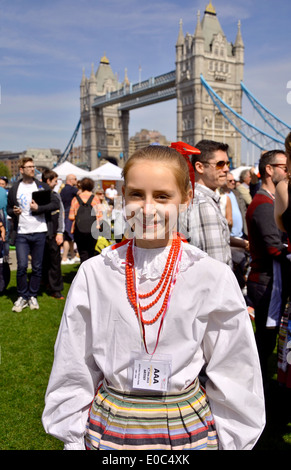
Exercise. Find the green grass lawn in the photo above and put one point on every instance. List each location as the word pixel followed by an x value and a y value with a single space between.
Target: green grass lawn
pixel 27 341
pixel 26 346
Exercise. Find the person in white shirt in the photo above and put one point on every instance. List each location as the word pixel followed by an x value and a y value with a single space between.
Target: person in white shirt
pixel 140 323
pixel 110 194
pixel 30 227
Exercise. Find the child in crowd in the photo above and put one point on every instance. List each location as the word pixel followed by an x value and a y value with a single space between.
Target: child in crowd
pixel 142 321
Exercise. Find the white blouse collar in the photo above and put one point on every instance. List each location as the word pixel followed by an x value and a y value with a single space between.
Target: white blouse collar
pixel 150 263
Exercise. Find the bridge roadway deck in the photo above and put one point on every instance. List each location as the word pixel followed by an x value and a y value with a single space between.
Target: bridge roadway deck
pixel 153 90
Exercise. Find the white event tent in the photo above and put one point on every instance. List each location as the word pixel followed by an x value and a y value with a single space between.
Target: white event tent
pixel 237 171
pixel 68 168
pixel 108 172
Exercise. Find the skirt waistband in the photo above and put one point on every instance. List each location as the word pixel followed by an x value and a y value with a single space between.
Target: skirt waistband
pixel 142 397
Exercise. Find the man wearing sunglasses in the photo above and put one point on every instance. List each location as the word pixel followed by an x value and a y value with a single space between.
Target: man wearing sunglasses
pixel 208 228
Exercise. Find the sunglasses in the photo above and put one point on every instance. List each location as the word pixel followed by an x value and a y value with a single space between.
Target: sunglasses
pixel 280 165
pixel 218 165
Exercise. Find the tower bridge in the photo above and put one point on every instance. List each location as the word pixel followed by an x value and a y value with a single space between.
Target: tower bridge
pixel 147 92
pixel 207 84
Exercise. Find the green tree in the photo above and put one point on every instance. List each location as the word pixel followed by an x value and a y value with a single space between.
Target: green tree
pixel 4 170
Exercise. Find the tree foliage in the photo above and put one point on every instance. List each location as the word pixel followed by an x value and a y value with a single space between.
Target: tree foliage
pixel 4 170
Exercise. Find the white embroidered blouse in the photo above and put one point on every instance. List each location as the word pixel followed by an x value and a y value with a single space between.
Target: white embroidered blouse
pixel 206 325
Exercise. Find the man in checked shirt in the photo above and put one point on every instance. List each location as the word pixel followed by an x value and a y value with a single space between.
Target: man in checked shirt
pixel 208 228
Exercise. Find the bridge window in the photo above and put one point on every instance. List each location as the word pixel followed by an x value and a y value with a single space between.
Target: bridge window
pixel 218 121
pixel 109 140
pixel 110 123
pixel 220 93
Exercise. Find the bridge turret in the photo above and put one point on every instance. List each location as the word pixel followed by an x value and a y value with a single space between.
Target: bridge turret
pixel 239 53
pixel 180 40
pixel 198 37
pixel 92 84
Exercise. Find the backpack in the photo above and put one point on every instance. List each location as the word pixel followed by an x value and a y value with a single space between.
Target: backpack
pixel 84 219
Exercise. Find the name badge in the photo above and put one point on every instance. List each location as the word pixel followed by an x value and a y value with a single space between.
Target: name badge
pixel 151 375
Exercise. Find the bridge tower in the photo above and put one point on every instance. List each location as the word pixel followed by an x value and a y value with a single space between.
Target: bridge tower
pixel 104 130
pixel 221 63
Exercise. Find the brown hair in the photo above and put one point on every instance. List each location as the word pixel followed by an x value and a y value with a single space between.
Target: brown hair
pixel 288 145
pixel 167 155
pixel 207 149
pixel 288 154
pixel 49 175
pixel 87 184
pixel 267 158
pixel 24 160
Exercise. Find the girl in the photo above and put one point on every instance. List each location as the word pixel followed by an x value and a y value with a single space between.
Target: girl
pixel 141 322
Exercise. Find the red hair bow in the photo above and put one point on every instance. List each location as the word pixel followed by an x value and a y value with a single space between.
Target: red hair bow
pixel 186 150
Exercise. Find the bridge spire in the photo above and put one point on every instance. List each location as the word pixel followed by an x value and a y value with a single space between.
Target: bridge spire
pixel 210 9
pixel 239 40
pixel 198 32
pixel 126 81
pixel 180 40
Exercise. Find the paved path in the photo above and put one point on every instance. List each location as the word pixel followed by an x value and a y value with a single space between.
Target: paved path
pixel 12 260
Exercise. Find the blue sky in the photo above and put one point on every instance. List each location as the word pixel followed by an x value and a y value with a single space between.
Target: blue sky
pixel 45 44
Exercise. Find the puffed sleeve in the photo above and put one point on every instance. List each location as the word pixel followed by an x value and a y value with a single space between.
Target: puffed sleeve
pixel 234 386
pixel 74 376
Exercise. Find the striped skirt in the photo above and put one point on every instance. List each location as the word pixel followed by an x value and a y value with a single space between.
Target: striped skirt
pixel 135 422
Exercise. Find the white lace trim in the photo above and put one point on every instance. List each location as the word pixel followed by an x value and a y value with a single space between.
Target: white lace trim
pixel 150 263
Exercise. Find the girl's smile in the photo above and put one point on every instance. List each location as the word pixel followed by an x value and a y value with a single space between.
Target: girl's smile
pixel 152 202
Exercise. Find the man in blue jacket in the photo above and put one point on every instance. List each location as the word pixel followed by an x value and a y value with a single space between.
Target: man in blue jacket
pixel 30 230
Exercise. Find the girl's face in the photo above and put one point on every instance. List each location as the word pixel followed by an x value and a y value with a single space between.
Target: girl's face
pixel 152 202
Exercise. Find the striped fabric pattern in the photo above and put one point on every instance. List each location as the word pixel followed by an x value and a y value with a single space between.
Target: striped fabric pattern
pixel 126 422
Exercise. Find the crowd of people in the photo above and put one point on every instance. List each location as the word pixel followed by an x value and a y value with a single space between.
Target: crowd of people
pixel 217 250
pixel 41 222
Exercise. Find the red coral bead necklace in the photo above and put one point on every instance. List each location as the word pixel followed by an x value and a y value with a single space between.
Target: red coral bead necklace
pixel 164 285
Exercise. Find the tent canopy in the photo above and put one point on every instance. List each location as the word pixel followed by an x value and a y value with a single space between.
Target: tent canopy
pixel 68 168
pixel 237 171
pixel 108 171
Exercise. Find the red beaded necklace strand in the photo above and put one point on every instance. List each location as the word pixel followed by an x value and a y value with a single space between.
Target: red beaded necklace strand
pixel 165 281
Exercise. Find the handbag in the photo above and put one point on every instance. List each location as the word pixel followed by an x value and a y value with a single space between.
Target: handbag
pixel 4 274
